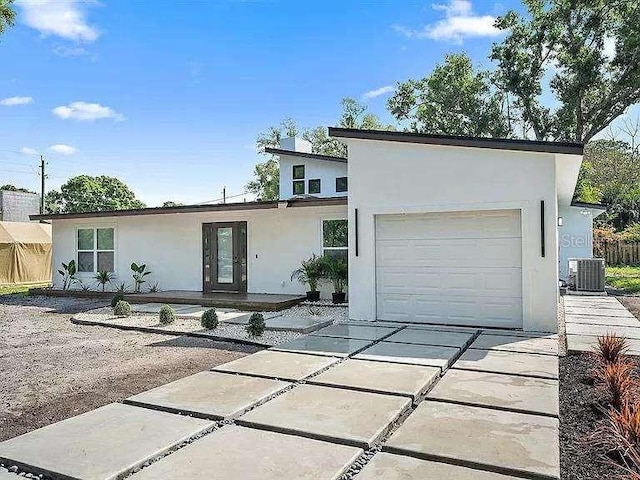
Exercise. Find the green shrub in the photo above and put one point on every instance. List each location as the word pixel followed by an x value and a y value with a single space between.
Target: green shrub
pixel 167 315
pixel 117 297
pixel 122 309
pixel 256 325
pixel 209 319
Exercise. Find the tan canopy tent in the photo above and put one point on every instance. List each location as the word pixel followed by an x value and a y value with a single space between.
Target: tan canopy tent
pixel 25 252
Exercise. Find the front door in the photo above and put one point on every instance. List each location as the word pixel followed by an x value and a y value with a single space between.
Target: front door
pixel 224 255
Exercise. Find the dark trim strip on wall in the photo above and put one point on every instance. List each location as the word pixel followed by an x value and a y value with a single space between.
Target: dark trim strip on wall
pixel 355 225
pixel 542 232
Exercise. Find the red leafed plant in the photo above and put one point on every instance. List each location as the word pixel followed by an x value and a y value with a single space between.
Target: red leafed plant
pixel 611 347
pixel 620 432
pixel 619 381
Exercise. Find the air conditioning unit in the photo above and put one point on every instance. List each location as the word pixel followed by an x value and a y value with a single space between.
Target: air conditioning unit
pixel 586 274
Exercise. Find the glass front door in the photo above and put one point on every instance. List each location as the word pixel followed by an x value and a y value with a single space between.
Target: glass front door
pixel 224 248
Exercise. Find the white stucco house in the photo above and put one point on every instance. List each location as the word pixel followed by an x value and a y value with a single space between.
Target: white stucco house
pixel 441 230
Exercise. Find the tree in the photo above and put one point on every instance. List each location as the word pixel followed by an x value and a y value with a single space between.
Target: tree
pixel 170 203
pixel 12 188
pixel 571 40
pixel 265 184
pixel 91 194
pixel 454 99
pixel 7 15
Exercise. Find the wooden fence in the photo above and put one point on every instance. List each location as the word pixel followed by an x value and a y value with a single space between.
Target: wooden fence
pixel 617 252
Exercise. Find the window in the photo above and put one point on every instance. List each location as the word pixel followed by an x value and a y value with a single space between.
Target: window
pixel 314 186
pixel 96 250
pixel 341 184
pixel 335 238
pixel 298 187
pixel 298 172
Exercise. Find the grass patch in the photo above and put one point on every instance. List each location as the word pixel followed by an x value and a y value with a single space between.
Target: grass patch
pixel 18 289
pixel 625 278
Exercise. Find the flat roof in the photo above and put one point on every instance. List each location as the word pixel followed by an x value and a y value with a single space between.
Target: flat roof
pixel 293 153
pixel 597 206
pixel 220 207
pixel 459 141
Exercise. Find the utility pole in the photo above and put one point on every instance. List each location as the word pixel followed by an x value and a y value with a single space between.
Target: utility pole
pixel 42 177
pixel 224 194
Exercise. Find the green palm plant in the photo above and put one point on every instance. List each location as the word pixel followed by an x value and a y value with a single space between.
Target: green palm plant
pixel 139 272
pixel 103 277
pixel 310 273
pixel 68 273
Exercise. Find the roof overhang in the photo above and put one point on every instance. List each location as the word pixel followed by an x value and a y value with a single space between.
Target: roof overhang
pixel 222 207
pixel 315 156
pixel 569 148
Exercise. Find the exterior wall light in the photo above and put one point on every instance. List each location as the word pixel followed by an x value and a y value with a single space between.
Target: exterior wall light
pixel 560 221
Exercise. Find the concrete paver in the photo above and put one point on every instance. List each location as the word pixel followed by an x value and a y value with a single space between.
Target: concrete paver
pixel 506 441
pixel 597 330
pixel 607 312
pixel 486 341
pixel 360 332
pixel 274 364
pixel 210 394
pixel 528 364
pixel 300 325
pixel 603 320
pixel 235 452
pixel 333 414
pixel 101 444
pixel 431 337
pixel 511 392
pixel 386 466
pixel 332 346
pixel 597 302
pixel 381 377
pixel 588 343
pixel 519 333
pixel 414 354
pixel 4 475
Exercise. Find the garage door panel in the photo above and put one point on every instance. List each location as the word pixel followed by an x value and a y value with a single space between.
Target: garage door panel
pixel 501 252
pixel 457 268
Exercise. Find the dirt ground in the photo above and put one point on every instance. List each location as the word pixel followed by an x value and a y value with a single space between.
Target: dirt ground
pixel 51 369
pixel 632 303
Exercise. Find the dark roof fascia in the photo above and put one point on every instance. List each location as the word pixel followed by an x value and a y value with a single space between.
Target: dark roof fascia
pixel 597 206
pixel 450 140
pixel 316 156
pixel 306 202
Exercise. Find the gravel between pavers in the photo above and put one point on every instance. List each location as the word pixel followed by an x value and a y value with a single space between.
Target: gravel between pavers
pixel 224 330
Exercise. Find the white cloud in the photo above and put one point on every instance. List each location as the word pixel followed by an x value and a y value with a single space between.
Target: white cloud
pixel 459 23
pixel 86 112
pixel 378 92
pixel 13 101
pixel 63 149
pixel 63 51
pixel 61 18
pixel 28 151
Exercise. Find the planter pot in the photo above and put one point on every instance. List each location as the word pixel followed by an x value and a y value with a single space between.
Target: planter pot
pixel 313 296
pixel 339 297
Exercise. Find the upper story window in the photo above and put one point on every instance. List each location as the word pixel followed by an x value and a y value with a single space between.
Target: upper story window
pixel 298 187
pixel 341 184
pixel 96 250
pixel 298 172
pixel 314 186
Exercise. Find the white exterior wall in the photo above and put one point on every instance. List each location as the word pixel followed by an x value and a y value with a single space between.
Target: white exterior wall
pixel 171 245
pixel 575 236
pixel 393 177
pixel 327 171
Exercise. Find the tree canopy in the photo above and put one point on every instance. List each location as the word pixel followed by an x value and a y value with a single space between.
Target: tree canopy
pixel 591 51
pixel 7 15
pixel 12 188
pixel 454 99
pixel 91 194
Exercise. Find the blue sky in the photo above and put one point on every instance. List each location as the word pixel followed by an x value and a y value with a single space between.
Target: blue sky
pixel 170 96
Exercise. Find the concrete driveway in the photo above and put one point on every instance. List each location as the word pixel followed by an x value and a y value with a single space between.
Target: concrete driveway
pixel 363 401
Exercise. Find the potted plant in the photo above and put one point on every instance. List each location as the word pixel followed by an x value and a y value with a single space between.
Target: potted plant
pixel 310 273
pixel 337 271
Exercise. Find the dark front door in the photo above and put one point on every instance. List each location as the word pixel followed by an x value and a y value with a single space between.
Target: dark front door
pixel 224 255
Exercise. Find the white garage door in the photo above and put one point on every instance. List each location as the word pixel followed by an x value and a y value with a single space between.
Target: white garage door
pixel 450 268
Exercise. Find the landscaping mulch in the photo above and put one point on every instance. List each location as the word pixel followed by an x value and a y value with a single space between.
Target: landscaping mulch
pixel 579 414
pixel 631 303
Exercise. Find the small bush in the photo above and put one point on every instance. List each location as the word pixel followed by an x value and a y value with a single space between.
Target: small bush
pixel 209 319
pixel 256 325
pixel 619 382
pixel 167 315
pixel 611 347
pixel 117 297
pixel 122 309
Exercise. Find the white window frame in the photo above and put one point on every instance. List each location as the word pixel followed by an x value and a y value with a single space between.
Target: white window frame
pixel 323 248
pixel 95 250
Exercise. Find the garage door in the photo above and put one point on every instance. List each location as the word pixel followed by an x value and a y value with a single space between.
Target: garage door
pixel 450 268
